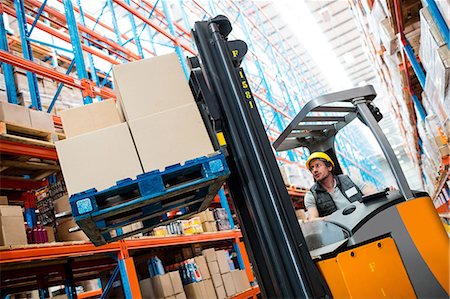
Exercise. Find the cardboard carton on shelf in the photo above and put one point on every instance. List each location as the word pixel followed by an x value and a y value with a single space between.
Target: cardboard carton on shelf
pixel 210 290
pixel 217 280
pixel 98 159
pixel 196 290
pixel 209 254
pixel 41 120
pixel 170 137
pixel 220 292
pixel 158 84
pixel 213 267
pixel 228 283
pixel 15 114
pixel 63 234
pixel 61 204
pixel 12 226
pixel 222 260
pixel 202 266
pixel 4 200
pixel 240 280
pixel 88 118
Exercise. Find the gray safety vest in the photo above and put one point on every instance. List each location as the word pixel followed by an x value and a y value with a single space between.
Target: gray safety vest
pixel 324 203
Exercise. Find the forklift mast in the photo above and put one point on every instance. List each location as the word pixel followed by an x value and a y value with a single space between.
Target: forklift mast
pixel 278 251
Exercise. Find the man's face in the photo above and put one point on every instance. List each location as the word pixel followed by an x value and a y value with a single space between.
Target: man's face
pixel 319 170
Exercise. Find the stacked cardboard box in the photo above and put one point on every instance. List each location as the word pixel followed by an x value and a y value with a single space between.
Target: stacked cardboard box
pixel 167 285
pixel 207 220
pixel 161 112
pixel 12 226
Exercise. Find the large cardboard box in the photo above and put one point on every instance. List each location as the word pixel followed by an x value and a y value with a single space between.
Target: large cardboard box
pixel 222 260
pixel 213 267
pixel 151 86
pixel 16 114
pixel 98 159
pixel 157 287
pixel 170 137
pixel 41 120
pixel 62 204
pixel 180 296
pixel 50 234
pixel 210 291
pixel 217 280
pixel 220 292
pixel 209 226
pixel 12 227
pixel 63 234
pixel 240 280
pixel 88 118
pixel 177 284
pixel 210 254
pixel 202 266
pixel 228 283
pixel 196 290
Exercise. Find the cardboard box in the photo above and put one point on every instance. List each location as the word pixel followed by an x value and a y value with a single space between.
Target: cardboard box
pixel 228 283
pixel 4 200
pixel 206 216
pixel 222 260
pixel 98 159
pixel 240 280
pixel 202 266
pixel 151 86
pixel 210 291
pixel 41 120
pixel 180 296
pixel 15 114
pixel 88 118
pixel 217 280
pixel 170 137
pixel 220 292
pixel 62 204
pixel 213 268
pixel 176 282
pixel 209 254
pixel 209 226
pixel 12 227
pixel 160 286
pixel 63 234
pixel 196 290
pixel 50 234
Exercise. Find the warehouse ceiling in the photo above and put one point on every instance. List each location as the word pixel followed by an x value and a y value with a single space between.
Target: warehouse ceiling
pixel 341 34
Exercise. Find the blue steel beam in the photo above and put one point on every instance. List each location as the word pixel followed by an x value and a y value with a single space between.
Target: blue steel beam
pixel 135 35
pixel 27 54
pixel 38 15
pixel 7 69
pixel 440 22
pixel 60 87
pixel 114 21
pixel 414 63
pixel 76 44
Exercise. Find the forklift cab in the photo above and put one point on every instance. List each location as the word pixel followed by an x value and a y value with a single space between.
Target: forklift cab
pixel 359 244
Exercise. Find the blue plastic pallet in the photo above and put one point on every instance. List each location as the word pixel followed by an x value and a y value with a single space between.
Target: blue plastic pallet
pixel 147 199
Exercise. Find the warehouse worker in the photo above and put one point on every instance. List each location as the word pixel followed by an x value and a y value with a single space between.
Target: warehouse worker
pixel 330 192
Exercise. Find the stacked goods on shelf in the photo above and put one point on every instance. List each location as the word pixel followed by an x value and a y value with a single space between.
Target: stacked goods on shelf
pixel 293 175
pixel 222 221
pixel 12 226
pixel 207 220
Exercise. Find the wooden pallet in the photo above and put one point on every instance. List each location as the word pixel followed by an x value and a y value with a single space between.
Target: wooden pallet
pixel 26 167
pixel 24 134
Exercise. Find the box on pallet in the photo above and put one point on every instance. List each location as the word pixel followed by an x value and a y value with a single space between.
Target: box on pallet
pixel 98 159
pixel 15 114
pixel 170 137
pixel 430 38
pixel 12 226
pixel 63 234
pixel 88 118
pixel 158 84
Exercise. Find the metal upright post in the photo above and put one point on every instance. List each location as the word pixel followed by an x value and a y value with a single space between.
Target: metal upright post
pixel 172 31
pixel 114 21
pixel 71 292
pixel 27 54
pixel 135 35
pixel 86 42
pixel 128 274
pixel 7 69
pixel 76 44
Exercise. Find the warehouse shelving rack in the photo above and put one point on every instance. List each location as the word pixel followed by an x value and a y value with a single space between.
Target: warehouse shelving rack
pixel 49 259
pixel 414 72
pixel 280 88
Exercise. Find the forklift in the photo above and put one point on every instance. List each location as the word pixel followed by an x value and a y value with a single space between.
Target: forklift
pixel 390 244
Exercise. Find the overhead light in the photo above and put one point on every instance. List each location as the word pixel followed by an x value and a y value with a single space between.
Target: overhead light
pixel 299 18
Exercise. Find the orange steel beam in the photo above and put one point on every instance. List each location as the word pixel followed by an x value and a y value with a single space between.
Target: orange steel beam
pixel 16 148
pixel 90 294
pixel 154 25
pixel 106 26
pixel 61 36
pixel 120 247
pixel 250 293
pixel 245 259
pixel 20 184
pixel 53 12
pixel 52 74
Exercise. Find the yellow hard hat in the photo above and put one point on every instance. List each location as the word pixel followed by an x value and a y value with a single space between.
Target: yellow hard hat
pixel 319 155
